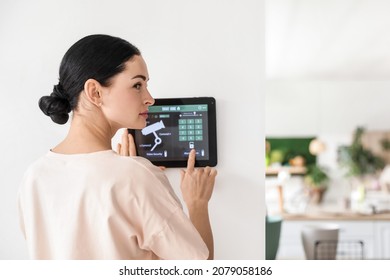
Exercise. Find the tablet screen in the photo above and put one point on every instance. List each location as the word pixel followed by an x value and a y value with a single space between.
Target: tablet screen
pixel 175 127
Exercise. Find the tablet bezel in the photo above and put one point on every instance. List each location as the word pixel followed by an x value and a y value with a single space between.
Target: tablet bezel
pixel 212 130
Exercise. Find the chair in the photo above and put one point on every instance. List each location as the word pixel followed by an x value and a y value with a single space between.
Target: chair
pixel 311 234
pixel 345 250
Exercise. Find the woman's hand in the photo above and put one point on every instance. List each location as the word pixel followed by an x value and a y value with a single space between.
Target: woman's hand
pixel 197 184
pixel 127 147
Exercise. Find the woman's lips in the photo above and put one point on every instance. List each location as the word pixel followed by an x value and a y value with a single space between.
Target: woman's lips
pixel 144 114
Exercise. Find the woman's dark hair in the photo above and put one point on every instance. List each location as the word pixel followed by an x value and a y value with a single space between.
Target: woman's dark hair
pixel 98 57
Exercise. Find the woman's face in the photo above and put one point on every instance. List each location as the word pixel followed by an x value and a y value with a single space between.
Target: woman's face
pixel 125 102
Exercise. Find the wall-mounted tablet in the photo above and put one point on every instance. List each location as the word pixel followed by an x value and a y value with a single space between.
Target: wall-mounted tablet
pixel 174 127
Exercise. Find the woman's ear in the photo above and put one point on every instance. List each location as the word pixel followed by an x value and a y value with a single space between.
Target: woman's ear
pixel 92 89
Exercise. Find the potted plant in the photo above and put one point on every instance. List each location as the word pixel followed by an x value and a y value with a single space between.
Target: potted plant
pixel 358 160
pixel 316 180
pixel 362 167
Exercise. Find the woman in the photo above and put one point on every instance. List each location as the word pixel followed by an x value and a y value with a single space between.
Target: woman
pixel 84 201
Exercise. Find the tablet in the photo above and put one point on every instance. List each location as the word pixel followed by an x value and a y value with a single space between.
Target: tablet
pixel 174 127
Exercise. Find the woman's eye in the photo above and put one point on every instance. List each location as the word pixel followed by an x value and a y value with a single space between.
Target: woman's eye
pixel 138 86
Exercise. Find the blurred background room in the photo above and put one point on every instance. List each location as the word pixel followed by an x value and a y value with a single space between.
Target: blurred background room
pixel 328 128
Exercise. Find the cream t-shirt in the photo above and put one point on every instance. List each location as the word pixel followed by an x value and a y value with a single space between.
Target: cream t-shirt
pixel 103 206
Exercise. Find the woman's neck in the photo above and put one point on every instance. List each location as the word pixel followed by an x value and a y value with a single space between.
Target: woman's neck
pixel 88 133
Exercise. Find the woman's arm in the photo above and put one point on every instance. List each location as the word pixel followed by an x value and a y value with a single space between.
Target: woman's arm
pixel 197 187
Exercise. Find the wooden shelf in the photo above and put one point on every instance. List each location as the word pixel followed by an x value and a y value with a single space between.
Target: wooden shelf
pixel 293 170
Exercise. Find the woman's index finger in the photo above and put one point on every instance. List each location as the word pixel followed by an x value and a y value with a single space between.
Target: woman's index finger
pixel 191 160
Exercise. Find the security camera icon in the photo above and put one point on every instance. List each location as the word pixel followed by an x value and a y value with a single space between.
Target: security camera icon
pixel 152 129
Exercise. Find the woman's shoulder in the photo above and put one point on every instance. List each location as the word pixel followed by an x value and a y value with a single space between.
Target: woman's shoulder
pixel 129 172
pixel 103 162
pixel 141 171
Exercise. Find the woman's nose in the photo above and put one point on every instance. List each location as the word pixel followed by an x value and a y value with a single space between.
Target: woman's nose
pixel 149 99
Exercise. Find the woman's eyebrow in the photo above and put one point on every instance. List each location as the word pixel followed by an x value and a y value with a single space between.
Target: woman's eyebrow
pixel 140 76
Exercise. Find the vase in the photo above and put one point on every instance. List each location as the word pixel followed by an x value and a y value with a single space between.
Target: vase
pixel 368 181
pixel 272 235
pixel 316 195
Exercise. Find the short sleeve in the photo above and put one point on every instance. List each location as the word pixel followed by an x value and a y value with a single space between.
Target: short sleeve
pixel 179 240
pixel 163 226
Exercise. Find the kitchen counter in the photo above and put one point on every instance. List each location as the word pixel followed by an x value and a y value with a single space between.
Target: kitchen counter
pixel 372 230
pixel 325 212
pixel 346 216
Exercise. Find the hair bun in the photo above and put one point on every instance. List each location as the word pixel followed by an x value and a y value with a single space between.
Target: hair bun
pixel 56 106
pixel 58 91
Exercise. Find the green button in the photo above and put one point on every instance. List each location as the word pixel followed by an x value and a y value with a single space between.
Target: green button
pixel 198 132
pixel 182 138
pixel 182 132
pixel 198 126
pixel 182 126
pixel 182 121
pixel 191 126
pixel 199 138
pixel 191 138
pixel 190 121
pixel 190 132
pixel 198 121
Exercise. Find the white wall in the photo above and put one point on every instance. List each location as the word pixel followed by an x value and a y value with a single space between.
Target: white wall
pixel 193 48
pixel 299 108
pixel 327 40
